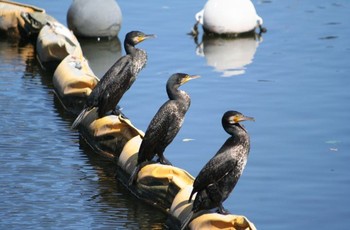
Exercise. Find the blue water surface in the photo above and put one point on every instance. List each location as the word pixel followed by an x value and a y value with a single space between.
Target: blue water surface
pixel 294 80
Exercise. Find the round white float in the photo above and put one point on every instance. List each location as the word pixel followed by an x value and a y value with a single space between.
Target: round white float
pixel 94 18
pixel 229 17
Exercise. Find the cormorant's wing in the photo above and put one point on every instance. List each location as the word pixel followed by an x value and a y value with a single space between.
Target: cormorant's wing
pixel 110 79
pixel 169 121
pixel 113 85
pixel 161 130
pixel 216 168
pixel 117 68
pixel 116 72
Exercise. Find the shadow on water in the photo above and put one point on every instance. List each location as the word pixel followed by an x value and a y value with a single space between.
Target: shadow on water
pixel 228 55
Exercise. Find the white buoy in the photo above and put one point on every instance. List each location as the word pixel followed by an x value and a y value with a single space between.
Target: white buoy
pixel 229 17
pixel 94 18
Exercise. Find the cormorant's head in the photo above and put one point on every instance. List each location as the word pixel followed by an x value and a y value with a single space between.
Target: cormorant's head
pixel 178 79
pixel 232 118
pixel 135 37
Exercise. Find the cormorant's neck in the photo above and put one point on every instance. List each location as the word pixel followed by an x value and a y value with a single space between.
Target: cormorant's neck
pixel 174 93
pixel 129 49
pixel 239 136
pixel 236 130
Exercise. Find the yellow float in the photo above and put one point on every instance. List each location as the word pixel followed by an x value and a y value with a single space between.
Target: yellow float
pixel 12 18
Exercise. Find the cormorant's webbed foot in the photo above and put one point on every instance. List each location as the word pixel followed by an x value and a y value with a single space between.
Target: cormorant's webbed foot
pixel 118 112
pixel 164 161
pixel 222 210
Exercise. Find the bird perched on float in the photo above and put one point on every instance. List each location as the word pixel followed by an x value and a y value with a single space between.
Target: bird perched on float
pixel 228 17
pixel 118 79
pixel 220 175
pixel 165 124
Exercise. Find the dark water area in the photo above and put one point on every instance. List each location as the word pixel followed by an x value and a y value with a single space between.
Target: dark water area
pixel 294 80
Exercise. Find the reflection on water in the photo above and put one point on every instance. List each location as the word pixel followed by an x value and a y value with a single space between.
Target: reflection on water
pixel 101 54
pixel 116 204
pixel 230 56
pixel 46 180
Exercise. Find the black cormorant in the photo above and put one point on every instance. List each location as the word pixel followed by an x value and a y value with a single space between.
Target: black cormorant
pixel 118 79
pixel 165 124
pixel 219 176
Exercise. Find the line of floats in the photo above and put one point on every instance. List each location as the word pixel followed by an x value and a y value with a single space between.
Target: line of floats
pixel 114 136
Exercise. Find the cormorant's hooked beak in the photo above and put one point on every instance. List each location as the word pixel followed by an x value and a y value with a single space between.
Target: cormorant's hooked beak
pixel 146 36
pixel 239 118
pixel 188 78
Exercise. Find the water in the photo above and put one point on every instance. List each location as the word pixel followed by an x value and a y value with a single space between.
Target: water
pixel 294 82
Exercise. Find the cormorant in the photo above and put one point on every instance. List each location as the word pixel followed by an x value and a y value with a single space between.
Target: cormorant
pixel 219 176
pixel 118 79
pixel 165 124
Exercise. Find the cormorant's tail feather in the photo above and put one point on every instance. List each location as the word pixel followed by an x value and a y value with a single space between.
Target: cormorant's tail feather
pixel 79 118
pixel 192 193
pixel 134 174
pixel 187 221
